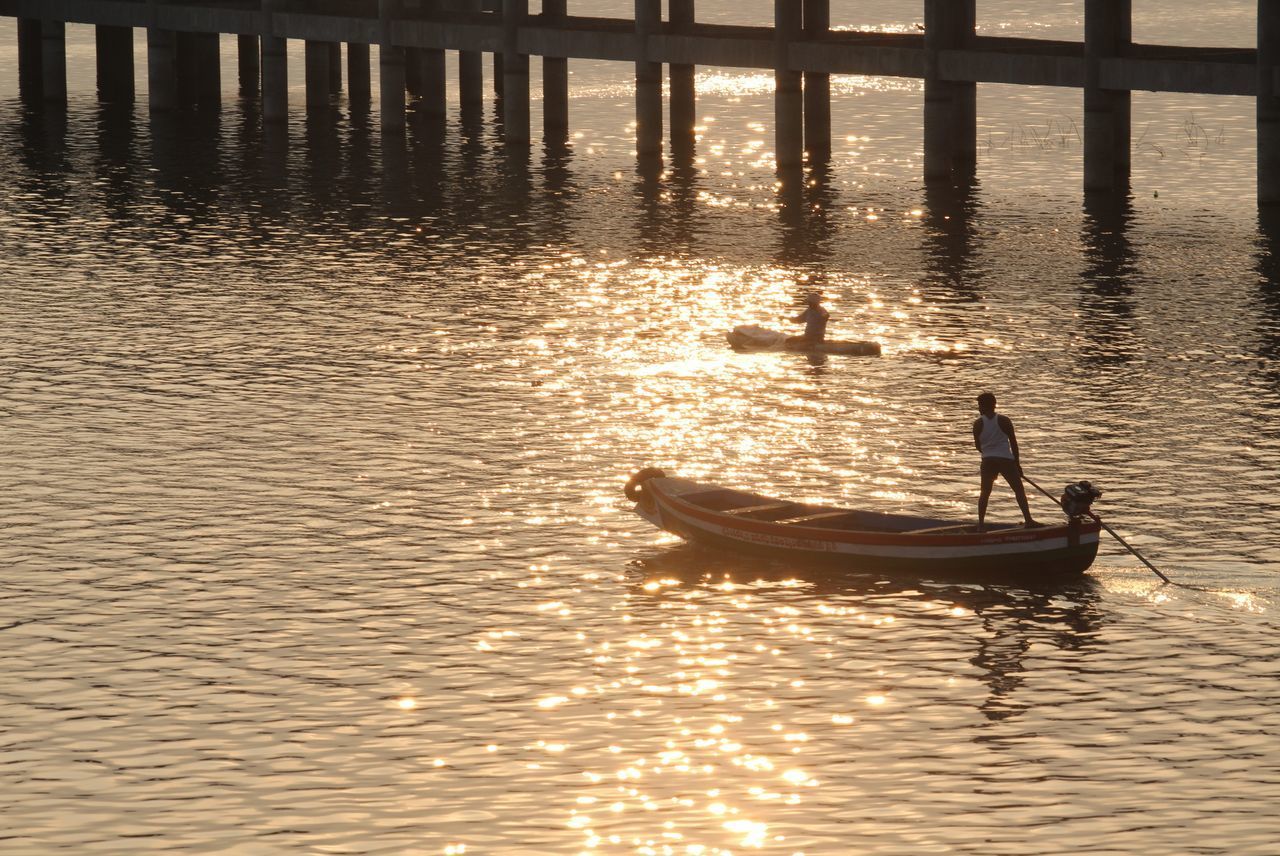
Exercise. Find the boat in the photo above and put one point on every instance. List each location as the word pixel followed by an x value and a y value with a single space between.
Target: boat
pixel 864 541
pixel 749 337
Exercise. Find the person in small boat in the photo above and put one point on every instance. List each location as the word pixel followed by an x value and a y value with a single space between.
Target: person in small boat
pixel 995 440
pixel 814 318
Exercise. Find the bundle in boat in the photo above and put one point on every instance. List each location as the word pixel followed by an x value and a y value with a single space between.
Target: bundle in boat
pixel 749 337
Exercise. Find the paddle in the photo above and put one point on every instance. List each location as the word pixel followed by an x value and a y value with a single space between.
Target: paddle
pixel 1111 531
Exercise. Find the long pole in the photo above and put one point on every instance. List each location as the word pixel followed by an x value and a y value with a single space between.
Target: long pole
pixel 1110 531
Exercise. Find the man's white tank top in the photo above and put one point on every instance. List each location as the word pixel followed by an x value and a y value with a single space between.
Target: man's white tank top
pixel 994 442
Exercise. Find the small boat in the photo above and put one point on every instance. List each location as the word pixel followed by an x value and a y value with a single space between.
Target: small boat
pixel 863 541
pixel 749 337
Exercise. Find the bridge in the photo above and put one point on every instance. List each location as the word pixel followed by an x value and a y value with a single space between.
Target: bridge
pixel 802 49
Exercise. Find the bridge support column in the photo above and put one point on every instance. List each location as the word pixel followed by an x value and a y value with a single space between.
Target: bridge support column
pixel 684 99
pixel 648 82
pixel 788 110
pixel 471 72
pixel 335 67
pixel 162 70
pixel 115 64
pixel 948 25
pixel 391 89
pixel 199 68
pixel 555 104
pixel 30 63
pixel 817 87
pixel 359 78
pixel 471 81
pixel 275 69
pixel 434 82
pixel 555 82
pixel 53 60
pixel 1268 106
pixel 391 70
pixel 1107 32
pixel 515 74
pixel 413 71
pixel 317 73
pixel 275 79
pixel 248 64
pixel 964 107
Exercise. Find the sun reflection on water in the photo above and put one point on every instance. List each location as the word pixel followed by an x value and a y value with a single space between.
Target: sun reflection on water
pixel 706 777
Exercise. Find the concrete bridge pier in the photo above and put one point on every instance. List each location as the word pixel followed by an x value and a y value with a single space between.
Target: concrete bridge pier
pixel 162 69
pixel 30 64
pixel 248 64
pixel 199 68
pixel 1268 104
pixel 471 73
pixel 471 82
pixel 788 110
pixel 319 95
pixel 515 75
pixel 275 79
pixel 335 67
pixel 648 82
pixel 433 82
pixel 964 105
pixel 1108 31
pixel 937 128
pixel 817 87
pixel 53 60
pixel 949 107
pixel 684 96
pixel 964 123
pixel 391 88
pixel 275 68
pixel 555 82
pixel 115 64
pixel 413 71
pixel 391 71
pixel 359 77
pixel 555 102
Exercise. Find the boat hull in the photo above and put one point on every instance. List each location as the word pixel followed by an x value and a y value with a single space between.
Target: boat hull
pixel 753 339
pixel 1032 554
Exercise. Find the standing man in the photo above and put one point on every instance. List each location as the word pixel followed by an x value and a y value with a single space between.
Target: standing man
pixel 994 438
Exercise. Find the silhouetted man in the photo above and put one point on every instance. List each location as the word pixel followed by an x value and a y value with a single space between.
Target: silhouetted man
pixel 993 437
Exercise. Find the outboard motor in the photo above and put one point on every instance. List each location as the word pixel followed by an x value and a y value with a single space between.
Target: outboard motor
pixel 1078 497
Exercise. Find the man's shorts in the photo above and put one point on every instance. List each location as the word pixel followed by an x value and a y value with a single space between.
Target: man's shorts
pixel 1007 467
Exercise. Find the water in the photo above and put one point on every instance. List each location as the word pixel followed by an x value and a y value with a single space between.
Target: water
pixel 313 532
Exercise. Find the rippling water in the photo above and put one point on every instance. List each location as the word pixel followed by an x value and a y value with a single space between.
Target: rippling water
pixel 313 534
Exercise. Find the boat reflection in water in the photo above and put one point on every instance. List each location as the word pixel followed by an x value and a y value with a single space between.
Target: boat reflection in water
pixel 773 692
pixel 993 627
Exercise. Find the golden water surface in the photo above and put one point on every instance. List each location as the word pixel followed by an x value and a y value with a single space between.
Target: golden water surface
pixel 311 521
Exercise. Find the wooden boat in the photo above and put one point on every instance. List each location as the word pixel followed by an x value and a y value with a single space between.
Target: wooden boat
pixel 866 541
pixel 748 337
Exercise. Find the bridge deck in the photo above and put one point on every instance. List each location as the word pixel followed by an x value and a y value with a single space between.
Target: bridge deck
pixel 988 59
